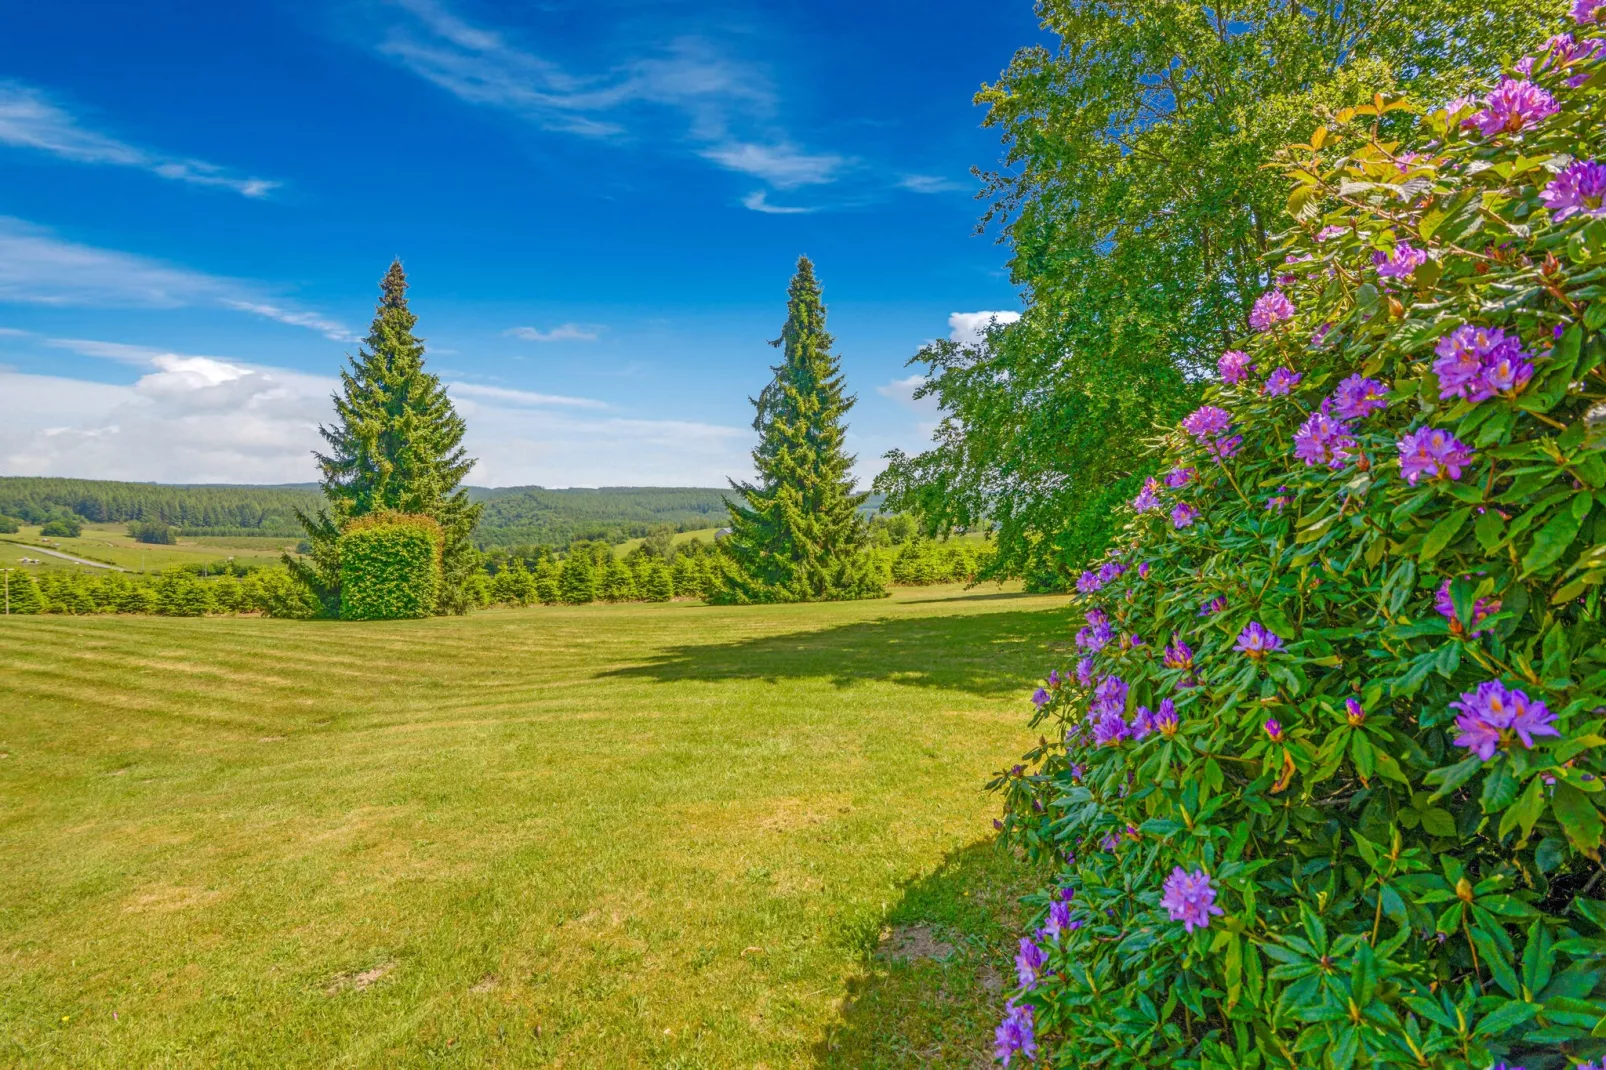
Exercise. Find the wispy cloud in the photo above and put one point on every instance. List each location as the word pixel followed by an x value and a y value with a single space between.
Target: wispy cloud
pixel 758 202
pixel 929 184
pixel 565 332
pixel 522 397
pixel 36 267
pixel 728 107
pixel 30 119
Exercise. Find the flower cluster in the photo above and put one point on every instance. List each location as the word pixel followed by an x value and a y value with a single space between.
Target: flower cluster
pixel 1399 262
pixel 1434 453
pixel 1493 715
pixel 1580 189
pixel 1477 363
pixel 1514 106
pixel 1190 898
pixel 1235 366
pixel 1270 309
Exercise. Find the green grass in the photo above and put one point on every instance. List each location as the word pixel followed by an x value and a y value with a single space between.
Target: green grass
pixel 637 835
pixel 111 544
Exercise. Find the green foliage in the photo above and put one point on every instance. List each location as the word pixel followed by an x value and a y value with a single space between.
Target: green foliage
pixel 1388 895
pixel 63 526
pixel 21 595
pixel 921 562
pixel 524 515
pixel 577 580
pixel 616 583
pixel 217 509
pixel 391 567
pixel 187 591
pixel 799 536
pixel 151 531
pixel 1136 201
pixel 9 525
pixel 396 447
pixel 655 583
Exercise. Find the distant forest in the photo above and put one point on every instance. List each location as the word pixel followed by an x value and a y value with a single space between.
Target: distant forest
pixel 514 516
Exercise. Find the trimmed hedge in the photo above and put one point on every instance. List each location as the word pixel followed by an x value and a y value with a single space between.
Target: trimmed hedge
pixel 390 567
pixel 1324 789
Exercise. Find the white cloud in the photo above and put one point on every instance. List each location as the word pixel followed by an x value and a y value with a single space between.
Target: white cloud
pixel 30 119
pixel 903 392
pixel 782 166
pixel 758 202
pixel 36 267
pixel 969 328
pixel 566 332
pixel 212 419
pixel 929 184
pixel 727 107
pixel 521 397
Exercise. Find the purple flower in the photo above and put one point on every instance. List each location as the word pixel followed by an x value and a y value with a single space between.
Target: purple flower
pixel 1214 606
pixel 1320 335
pixel 1281 382
pixel 1183 515
pixel 1028 962
pixel 1513 106
pixel 1109 571
pixel 1225 447
pixel 1324 440
pixel 1274 730
pixel 1058 921
pixel 1165 718
pixel 1088 582
pixel 1190 898
pixel 1053 678
pixel 1586 11
pixel 1143 571
pixel 1149 497
pixel 1354 712
pixel 1256 642
pixel 1179 477
pixel 1040 698
pixel 1479 362
pixel 1108 697
pixel 1084 672
pixel 1014 1034
pixel 1179 655
pixel 1109 729
pixel 1430 452
pixel 1207 421
pixel 1234 366
pixel 1399 264
pixel 1330 232
pixel 1098 633
pixel 1358 396
pixel 1142 723
pixel 1579 188
pixel 1484 607
pixel 1493 714
pixel 1271 308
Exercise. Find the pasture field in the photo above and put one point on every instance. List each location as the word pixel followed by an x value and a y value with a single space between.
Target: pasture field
pixel 634 835
pixel 111 544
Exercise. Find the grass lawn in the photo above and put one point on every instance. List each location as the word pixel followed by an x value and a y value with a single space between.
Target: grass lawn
pixel 641 835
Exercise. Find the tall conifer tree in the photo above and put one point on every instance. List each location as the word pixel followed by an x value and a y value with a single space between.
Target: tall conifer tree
pixel 799 536
pixel 396 445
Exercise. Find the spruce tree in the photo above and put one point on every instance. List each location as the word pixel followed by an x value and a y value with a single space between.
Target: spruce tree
pixel 396 445
pixel 797 536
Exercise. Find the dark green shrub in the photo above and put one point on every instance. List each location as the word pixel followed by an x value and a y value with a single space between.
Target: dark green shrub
pixel 655 583
pixel 9 525
pixel 63 526
pixel 136 598
pixel 182 594
pixel 151 531
pixel 1325 789
pixel 390 567
pixel 546 583
pixel 618 585
pixel 275 593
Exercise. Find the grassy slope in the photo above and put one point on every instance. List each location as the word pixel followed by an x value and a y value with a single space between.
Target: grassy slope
pixel 631 835
pixel 111 544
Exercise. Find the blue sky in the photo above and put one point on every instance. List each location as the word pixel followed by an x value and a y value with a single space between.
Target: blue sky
pixel 599 204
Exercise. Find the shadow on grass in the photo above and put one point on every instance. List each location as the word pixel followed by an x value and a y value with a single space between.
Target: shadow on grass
pixel 932 991
pixel 984 653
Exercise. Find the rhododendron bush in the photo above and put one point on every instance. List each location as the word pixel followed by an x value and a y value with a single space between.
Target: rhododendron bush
pixel 1321 784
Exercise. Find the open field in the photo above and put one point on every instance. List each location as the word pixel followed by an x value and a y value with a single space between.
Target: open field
pixel 640 835
pixel 111 543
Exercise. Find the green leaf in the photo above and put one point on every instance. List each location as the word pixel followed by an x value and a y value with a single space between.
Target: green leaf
pixel 1504 1019
pixel 1536 959
pixel 1440 535
pixel 1438 821
pixel 1551 542
pixel 1450 777
pixel 1527 809
pixel 1578 817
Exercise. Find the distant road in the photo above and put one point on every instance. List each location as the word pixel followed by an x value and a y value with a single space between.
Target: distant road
pixel 70 557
